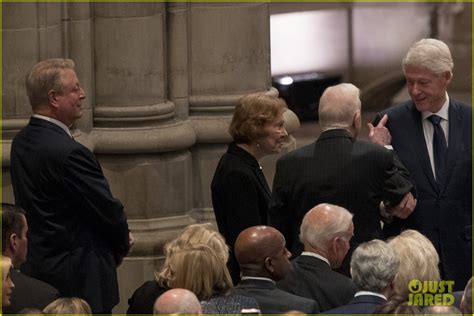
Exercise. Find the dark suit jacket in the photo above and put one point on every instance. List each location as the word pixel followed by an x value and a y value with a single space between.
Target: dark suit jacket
pixel 77 229
pixel 240 197
pixel 144 297
pixel 443 214
pixel 273 300
pixel 313 278
pixel 29 292
pixel 363 304
pixel 339 170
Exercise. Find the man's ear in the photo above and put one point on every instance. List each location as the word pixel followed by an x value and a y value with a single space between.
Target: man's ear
pixel 53 98
pixel 357 120
pixel 269 264
pixel 13 241
pixel 448 75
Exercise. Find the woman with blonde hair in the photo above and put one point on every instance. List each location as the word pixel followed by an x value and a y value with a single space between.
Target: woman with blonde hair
pixel 196 261
pixel 191 236
pixel 418 260
pixel 68 305
pixel 240 193
pixel 7 283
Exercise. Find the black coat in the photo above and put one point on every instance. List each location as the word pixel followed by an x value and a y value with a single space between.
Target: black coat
pixel 272 300
pixel 313 278
pixel 144 298
pixel 336 169
pixel 77 230
pixel 363 304
pixel 240 197
pixel 29 293
pixel 443 214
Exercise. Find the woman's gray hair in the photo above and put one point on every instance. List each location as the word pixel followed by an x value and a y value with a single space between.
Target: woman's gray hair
pixel 374 265
pixel 430 53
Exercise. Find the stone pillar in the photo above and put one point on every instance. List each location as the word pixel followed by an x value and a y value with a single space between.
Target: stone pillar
pixel 454 27
pixel 229 56
pixel 31 32
pixel 143 146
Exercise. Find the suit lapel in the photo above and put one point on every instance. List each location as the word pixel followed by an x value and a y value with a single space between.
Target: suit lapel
pixel 421 147
pixel 455 139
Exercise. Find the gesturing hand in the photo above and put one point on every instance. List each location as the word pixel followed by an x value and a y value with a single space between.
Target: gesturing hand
pixel 380 134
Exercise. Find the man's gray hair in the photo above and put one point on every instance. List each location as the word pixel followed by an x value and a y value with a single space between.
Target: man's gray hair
pixel 430 53
pixel 320 233
pixel 337 106
pixel 374 265
pixel 45 76
pixel 467 298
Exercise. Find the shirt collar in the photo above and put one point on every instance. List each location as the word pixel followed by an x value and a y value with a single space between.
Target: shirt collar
pixel 360 293
pixel 313 254
pixel 443 112
pixel 54 121
pixel 257 278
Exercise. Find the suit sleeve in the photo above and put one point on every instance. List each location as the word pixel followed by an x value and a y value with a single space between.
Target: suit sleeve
pixel 397 181
pixel 88 186
pixel 376 119
pixel 239 199
pixel 280 215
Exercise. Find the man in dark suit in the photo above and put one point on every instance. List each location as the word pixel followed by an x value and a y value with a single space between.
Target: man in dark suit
pixel 325 232
pixel 432 135
pixel 263 260
pixel 340 170
pixel 28 292
pixel 78 232
pixel 374 265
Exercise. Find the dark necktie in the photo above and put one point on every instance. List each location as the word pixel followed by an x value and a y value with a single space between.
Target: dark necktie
pixel 440 147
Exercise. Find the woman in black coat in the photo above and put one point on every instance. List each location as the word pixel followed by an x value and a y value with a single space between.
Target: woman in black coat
pixel 240 193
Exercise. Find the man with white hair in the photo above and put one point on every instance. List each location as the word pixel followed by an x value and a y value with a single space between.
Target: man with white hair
pixel 177 301
pixel 340 170
pixel 325 232
pixel 374 265
pixel 432 136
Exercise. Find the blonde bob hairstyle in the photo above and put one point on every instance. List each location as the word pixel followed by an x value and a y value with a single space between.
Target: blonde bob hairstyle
pixel 68 305
pixel 252 113
pixel 6 266
pixel 418 260
pixel 200 271
pixel 192 235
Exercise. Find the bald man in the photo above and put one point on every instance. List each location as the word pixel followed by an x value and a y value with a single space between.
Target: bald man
pixel 326 231
pixel 177 301
pixel 263 259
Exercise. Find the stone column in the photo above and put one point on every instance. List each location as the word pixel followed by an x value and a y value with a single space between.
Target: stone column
pixel 229 57
pixel 30 32
pixel 139 133
pixel 454 27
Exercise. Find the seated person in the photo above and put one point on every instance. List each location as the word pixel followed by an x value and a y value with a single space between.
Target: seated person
pixel 177 301
pixel 68 305
pixel 263 260
pixel 196 261
pixel 374 265
pixel 29 292
pixel 466 301
pixel 326 231
pixel 418 260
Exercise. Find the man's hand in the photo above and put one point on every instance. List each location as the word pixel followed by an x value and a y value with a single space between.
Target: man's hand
pixel 404 208
pixel 380 134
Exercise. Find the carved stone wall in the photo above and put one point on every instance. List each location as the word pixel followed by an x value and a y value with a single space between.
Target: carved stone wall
pixel 162 80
